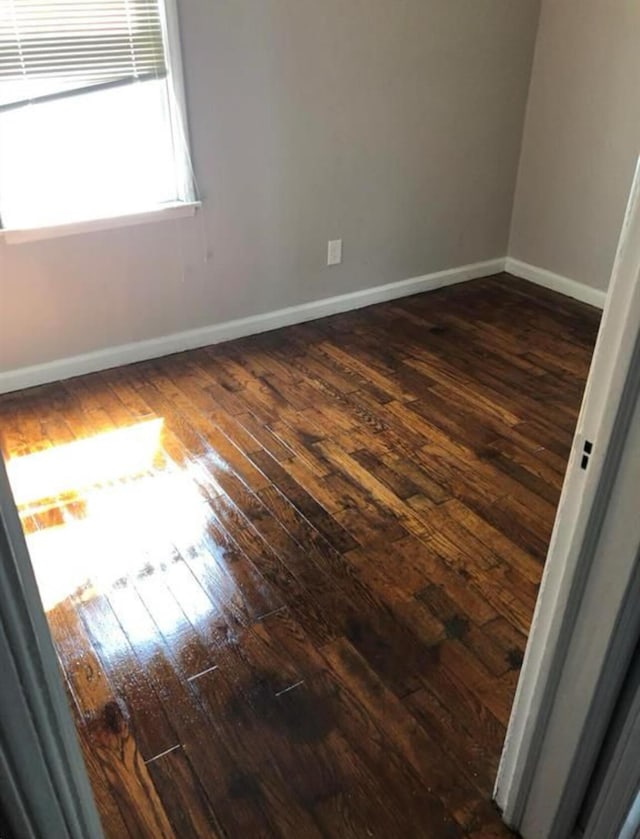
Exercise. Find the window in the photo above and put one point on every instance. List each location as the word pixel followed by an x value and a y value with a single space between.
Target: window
pixel 90 123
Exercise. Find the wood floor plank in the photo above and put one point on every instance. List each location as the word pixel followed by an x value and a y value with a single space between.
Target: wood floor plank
pixel 399 728
pixel 289 578
pixel 123 785
pixel 213 769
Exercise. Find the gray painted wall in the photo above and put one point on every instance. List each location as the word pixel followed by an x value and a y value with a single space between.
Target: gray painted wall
pixel 393 124
pixel 582 138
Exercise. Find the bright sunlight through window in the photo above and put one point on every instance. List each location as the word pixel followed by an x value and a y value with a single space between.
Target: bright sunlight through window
pixel 90 125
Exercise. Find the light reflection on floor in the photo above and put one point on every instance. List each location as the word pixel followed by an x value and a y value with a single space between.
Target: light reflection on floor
pixel 72 467
pixel 107 507
pixel 127 527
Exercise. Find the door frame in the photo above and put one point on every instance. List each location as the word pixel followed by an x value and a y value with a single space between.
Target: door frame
pixel 557 725
pixel 615 809
pixel 44 787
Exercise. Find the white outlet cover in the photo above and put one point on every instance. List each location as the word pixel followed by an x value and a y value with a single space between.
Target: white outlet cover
pixel 334 252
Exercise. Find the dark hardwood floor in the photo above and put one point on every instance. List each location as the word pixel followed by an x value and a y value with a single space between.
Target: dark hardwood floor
pixel 290 578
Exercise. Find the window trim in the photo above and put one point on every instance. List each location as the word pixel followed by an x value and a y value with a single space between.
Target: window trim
pixel 188 203
pixel 175 79
pixel 181 209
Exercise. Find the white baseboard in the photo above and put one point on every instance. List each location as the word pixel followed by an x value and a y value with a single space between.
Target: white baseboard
pixel 66 368
pixel 556 282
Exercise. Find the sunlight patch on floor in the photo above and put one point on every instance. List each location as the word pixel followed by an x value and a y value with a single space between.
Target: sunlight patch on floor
pixel 127 529
pixel 73 467
pixel 126 516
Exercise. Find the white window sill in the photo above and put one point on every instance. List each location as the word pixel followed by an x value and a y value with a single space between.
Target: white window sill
pixel 16 236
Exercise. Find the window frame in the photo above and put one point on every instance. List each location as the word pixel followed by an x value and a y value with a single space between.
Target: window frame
pixel 188 203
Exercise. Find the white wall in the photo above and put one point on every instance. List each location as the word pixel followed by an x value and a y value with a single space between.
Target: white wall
pixel 582 138
pixel 394 124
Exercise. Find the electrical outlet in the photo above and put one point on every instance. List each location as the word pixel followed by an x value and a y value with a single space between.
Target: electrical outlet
pixel 334 252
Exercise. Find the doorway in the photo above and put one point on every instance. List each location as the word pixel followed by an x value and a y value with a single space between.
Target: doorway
pixel 312 554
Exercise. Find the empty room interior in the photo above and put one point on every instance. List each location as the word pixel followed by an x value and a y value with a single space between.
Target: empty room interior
pixel 298 302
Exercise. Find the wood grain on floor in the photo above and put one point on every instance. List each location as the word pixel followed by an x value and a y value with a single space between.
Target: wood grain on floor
pixel 290 578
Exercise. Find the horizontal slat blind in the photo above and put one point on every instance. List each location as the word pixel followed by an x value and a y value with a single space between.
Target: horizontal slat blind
pixel 56 47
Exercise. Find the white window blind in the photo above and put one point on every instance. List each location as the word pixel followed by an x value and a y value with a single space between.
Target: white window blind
pixel 54 48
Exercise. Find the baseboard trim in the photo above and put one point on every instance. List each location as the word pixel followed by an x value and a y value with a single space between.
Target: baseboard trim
pixel 556 282
pixel 67 368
